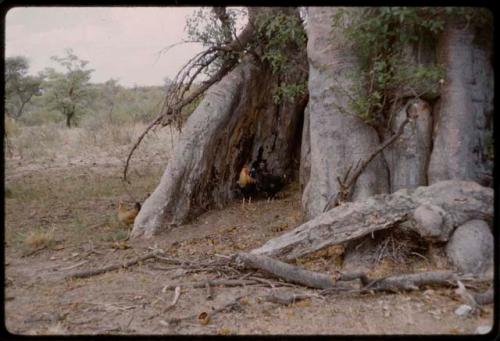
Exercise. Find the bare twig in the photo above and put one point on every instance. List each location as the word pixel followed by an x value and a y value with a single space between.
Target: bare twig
pixel 73 266
pixel 345 186
pixel 134 147
pixel 286 298
pixel 94 272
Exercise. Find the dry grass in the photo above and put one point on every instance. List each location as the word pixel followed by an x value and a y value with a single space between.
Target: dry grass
pixel 54 142
pixel 40 238
pixel 59 178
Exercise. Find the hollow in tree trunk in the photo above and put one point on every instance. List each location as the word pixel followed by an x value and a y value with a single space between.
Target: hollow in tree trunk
pixel 235 123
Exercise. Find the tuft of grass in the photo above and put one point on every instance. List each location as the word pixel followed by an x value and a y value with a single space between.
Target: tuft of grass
pixel 40 238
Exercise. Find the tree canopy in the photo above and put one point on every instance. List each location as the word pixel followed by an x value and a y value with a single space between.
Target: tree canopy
pixel 69 92
pixel 19 86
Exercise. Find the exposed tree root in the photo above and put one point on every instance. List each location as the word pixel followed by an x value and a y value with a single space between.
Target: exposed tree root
pixel 295 274
pixel 288 272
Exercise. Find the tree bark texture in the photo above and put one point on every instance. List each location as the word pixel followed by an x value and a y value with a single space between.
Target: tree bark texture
pixel 465 104
pixel 460 200
pixel 408 157
pixel 337 139
pixel 235 122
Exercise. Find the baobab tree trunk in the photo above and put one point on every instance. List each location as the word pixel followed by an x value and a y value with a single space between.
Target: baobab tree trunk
pixel 236 121
pixel 466 103
pixel 337 140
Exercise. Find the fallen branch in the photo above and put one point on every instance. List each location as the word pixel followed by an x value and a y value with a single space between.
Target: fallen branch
pixel 461 200
pixel 94 272
pixel 286 298
pixel 286 271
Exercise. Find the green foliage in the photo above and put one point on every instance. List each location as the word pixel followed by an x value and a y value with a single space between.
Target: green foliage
pixel 19 86
pixel 383 39
pixel 279 35
pixel 276 36
pixel 289 90
pixel 69 93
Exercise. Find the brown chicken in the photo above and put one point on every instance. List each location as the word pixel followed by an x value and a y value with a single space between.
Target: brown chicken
pixel 247 183
pixel 127 216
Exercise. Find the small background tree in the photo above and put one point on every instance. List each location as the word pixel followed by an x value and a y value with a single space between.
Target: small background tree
pixel 19 87
pixel 69 93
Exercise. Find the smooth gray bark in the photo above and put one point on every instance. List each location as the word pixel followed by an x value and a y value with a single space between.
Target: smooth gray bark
pixel 408 157
pixel 337 138
pixel 465 103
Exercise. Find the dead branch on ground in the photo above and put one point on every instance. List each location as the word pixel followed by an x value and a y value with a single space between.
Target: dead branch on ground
pixel 94 272
pixel 286 298
pixel 288 272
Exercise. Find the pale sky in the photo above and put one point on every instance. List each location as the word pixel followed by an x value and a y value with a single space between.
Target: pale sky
pixel 119 42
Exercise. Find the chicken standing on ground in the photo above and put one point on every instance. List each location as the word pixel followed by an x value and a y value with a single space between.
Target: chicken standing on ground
pixel 127 216
pixel 247 184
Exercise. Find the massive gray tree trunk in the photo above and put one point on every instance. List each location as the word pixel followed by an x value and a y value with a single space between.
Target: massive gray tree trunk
pixel 466 103
pixel 236 121
pixel 337 139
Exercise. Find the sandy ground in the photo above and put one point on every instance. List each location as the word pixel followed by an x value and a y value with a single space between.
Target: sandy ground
pixel 77 195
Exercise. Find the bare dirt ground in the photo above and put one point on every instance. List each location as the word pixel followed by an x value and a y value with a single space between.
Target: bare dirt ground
pixel 76 197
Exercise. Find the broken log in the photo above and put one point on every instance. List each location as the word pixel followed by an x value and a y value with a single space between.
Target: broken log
pixel 460 200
